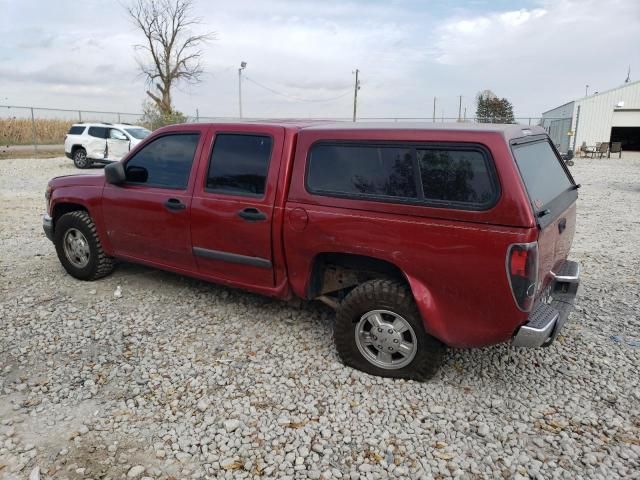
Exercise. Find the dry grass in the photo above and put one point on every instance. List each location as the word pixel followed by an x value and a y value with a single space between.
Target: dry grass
pixel 19 131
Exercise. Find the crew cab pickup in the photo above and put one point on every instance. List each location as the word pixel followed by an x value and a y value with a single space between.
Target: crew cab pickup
pixel 421 236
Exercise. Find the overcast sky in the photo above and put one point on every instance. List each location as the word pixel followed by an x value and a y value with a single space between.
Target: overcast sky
pixel 538 54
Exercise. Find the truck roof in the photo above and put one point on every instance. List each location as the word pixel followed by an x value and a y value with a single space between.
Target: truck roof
pixel 507 130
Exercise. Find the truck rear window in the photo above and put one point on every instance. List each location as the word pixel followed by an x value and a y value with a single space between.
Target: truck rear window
pixel 541 171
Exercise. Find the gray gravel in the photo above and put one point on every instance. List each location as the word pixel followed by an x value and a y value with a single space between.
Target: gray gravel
pixel 179 378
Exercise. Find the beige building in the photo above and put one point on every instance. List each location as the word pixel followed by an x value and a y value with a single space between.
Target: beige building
pixel 609 116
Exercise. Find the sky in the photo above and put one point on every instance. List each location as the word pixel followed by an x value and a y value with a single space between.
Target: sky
pixel 537 53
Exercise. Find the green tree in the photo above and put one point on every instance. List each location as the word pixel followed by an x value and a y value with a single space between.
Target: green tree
pixel 491 109
pixel 153 118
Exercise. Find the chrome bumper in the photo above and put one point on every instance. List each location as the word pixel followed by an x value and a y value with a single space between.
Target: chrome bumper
pixel 47 226
pixel 547 319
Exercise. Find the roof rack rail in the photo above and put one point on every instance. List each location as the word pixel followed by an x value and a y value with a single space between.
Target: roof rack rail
pixel 125 123
pixel 106 123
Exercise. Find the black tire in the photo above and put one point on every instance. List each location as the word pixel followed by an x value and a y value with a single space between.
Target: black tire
pixel 98 264
pixel 80 159
pixel 395 297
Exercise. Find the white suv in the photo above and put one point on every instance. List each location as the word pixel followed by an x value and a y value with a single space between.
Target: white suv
pixel 88 143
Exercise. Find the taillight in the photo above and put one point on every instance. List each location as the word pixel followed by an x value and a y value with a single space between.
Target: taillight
pixel 522 271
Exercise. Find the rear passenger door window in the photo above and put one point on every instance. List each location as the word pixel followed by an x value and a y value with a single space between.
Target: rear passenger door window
pixel 456 176
pixel 76 130
pixel 99 132
pixel 165 162
pixel 239 164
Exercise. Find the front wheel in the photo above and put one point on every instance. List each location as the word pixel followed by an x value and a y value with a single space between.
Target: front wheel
pixel 78 247
pixel 379 331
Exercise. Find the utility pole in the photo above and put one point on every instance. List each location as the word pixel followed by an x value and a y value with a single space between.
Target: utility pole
pixel 434 109
pixel 242 67
pixel 460 109
pixel 355 95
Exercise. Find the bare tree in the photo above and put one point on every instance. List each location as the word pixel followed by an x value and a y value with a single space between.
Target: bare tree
pixel 172 52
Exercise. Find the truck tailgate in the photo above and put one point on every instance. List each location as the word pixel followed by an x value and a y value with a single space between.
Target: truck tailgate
pixel 554 243
pixel 553 194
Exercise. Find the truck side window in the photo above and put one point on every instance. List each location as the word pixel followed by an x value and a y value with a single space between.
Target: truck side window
pixel 439 176
pixel 455 176
pixel 355 170
pixel 239 164
pixel 165 162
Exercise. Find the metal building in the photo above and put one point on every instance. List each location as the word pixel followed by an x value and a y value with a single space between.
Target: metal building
pixel 609 116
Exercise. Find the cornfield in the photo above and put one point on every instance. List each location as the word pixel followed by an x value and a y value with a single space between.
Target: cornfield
pixel 19 131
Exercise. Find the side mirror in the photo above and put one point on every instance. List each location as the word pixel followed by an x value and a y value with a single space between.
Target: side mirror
pixel 114 173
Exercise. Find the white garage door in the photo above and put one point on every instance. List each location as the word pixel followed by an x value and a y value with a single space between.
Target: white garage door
pixel 626 118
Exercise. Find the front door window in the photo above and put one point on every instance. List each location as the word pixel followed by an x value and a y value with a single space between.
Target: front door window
pixel 164 163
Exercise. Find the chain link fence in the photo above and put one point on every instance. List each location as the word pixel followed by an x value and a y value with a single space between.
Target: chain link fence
pixel 45 128
pixel 40 131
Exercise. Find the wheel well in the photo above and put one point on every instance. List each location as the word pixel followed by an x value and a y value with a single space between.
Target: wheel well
pixel 76 147
pixel 62 208
pixel 340 272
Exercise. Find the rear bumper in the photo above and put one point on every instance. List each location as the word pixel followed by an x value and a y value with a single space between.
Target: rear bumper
pixel 68 154
pixel 547 319
pixel 47 226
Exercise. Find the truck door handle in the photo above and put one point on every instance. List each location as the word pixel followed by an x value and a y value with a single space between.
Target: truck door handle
pixel 174 204
pixel 251 214
pixel 562 224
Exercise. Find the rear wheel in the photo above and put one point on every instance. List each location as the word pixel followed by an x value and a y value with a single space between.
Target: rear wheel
pixel 80 159
pixel 78 247
pixel 379 331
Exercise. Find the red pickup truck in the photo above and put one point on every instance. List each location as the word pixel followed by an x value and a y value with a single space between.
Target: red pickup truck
pixel 421 236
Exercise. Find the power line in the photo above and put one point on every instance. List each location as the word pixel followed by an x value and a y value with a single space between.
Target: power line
pixel 293 97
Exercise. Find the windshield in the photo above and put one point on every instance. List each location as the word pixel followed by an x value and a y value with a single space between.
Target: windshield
pixel 138 133
pixel 541 172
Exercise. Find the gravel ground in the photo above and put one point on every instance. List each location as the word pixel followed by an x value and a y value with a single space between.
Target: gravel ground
pixel 177 378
